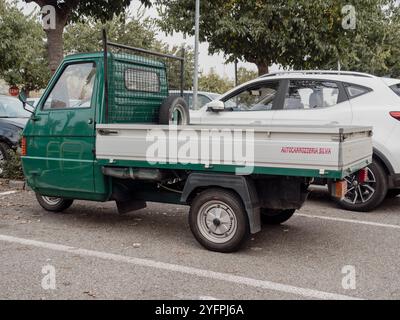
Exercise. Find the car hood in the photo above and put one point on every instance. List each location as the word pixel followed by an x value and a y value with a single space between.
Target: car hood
pixel 18 122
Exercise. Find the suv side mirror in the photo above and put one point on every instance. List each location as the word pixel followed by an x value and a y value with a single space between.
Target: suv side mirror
pixel 216 106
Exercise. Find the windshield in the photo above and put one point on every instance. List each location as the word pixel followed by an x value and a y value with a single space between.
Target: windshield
pixel 12 108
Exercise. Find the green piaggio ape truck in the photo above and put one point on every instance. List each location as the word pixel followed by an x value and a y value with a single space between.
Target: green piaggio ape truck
pixel 106 129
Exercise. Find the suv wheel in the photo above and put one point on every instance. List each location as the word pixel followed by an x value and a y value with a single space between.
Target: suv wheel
pixel 366 196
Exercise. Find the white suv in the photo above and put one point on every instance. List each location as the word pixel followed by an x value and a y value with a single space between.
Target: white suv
pixel 322 98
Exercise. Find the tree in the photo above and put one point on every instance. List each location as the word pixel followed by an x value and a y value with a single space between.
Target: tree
pixel 245 75
pixel 84 36
pixel 293 33
pixel 22 51
pixel 212 82
pixel 75 10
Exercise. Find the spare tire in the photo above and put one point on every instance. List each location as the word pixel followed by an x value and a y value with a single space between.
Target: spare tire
pixel 174 111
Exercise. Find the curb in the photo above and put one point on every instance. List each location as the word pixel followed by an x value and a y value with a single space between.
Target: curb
pixel 15 184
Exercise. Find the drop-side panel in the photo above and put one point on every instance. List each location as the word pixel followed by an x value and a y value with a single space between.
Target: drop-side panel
pixel 300 151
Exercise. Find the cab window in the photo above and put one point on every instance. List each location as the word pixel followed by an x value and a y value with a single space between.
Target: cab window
pixel 256 98
pixel 74 88
pixel 311 94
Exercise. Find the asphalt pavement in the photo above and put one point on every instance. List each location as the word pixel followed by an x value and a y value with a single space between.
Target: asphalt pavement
pixel 92 252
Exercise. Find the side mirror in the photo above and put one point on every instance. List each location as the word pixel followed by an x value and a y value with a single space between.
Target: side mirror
pixel 216 106
pixel 23 98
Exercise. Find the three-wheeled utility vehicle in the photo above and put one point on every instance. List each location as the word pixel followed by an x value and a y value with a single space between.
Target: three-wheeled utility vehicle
pixel 106 129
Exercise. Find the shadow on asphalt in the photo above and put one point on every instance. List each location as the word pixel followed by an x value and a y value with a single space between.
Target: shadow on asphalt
pixel 169 223
pixel 324 198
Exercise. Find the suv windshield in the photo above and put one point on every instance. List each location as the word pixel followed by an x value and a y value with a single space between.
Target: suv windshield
pixel 12 108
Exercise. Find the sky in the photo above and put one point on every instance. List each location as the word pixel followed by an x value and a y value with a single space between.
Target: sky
pixel 206 61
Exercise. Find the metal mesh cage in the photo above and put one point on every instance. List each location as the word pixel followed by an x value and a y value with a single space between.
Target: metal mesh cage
pixel 137 81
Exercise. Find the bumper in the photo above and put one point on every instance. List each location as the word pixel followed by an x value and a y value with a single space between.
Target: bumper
pixel 394 181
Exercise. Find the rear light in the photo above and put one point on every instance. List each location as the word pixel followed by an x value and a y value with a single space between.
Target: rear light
pixel 23 146
pixel 395 114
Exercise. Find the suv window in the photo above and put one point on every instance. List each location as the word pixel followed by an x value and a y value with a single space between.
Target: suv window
pixel 74 88
pixel 257 98
pixel 311 94
pixel 396 89
pixel 354 91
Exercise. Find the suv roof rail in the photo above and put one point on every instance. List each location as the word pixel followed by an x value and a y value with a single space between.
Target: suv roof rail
pixel 326 72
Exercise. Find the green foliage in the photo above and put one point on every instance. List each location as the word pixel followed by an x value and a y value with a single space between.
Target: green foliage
pixel 212 82
pixel 12 168
pixel 22 50
pixel 245 75
pixel 84 36
pixel 300 34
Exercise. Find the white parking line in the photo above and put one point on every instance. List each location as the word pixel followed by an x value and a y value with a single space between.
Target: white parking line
pixel 367 223
pixel 6 193
pixel 268 285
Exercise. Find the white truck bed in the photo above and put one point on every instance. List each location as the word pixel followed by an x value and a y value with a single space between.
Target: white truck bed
pixel 309 151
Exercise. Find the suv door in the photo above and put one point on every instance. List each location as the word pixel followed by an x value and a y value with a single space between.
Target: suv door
pixel 61 135
pixel 253 104
pixel 313 102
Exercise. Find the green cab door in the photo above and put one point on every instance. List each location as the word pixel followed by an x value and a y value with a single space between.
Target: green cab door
pixel 60 136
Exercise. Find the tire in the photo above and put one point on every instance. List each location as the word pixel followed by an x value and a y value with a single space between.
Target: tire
pixel 53 204
pixel 174 110
pixel 393 193
pixel 373 191
pixel 4 149
pixel 206 226
pixel 276 217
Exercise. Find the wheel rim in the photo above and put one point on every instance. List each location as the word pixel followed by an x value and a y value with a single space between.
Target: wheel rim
pixel 359 193
pixel 217 222
pixel 52 201
pixel 178 116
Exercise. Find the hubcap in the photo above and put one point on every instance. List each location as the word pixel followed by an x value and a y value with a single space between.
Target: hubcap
pixel 217 222
pixel 52 201
pixel 357 192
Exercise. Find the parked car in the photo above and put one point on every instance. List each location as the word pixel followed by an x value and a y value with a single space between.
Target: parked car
pixel 324 97
pixel 33 101
pixel 13 119
pixel 203 97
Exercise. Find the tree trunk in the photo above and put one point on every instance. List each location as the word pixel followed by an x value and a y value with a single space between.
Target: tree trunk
pixel 55 42
pixel 263 68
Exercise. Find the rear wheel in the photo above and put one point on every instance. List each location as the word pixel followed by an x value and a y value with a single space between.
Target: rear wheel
pixel 53 204
pixel 368 195
pixel 219 221
pixel 275 217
